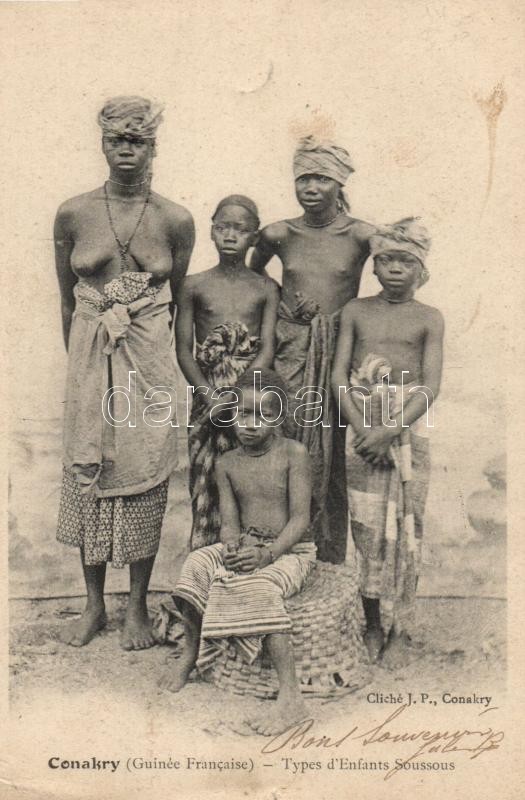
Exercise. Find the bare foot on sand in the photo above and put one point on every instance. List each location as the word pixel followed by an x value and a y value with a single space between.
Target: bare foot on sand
pixel 81 631
pixel 137 633
pixel 289 710
pixel 397 651
pixel 374 639
pixel 176 678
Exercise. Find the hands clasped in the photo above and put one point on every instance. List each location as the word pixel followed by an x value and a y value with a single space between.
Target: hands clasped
pixel 373 444
pixel 245 559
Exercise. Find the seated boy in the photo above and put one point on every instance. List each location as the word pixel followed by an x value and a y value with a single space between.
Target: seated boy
pixel 386 340
pixel 235 590
pixel 231 312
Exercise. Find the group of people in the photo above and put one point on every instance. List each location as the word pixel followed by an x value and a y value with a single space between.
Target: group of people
pixel 309 412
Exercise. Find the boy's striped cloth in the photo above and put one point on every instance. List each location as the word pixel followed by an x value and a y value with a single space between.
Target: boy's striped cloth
pixel 242 607
pixel 387 506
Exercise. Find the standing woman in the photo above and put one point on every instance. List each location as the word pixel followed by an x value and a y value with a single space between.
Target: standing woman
pixel 121 251
pixel 323 253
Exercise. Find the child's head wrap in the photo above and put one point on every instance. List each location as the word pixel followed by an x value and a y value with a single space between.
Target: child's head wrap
pixel 131 117
pixel 313 157
pixel 239 200
pixel 407 236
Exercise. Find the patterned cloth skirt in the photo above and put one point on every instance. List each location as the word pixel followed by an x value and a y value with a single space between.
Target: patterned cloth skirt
pixel 116 529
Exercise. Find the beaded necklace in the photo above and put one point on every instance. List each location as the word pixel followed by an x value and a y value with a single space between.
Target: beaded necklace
pixel 323 224
pixel 123 247
pixel 119 183
pixel 394 301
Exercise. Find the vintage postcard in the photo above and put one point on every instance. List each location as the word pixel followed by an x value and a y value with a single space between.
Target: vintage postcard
pixel 263 359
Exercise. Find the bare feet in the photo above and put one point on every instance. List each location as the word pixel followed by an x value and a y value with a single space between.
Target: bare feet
pixel 374 639
pixel 397 651
pixel 137 633
pixel 81 631
pixel 175 679
pixel 289 709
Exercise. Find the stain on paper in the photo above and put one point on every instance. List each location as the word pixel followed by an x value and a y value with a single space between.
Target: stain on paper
pixel 474 315
pixel 491 108
pixel 315 123
pixel 408 152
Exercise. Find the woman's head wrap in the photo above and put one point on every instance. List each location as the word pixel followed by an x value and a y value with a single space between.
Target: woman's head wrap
pixel 313 157
pixel 130 117
pixel 407 236
pixel 239 200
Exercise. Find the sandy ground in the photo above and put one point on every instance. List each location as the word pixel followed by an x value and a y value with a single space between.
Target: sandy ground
pixel 460 648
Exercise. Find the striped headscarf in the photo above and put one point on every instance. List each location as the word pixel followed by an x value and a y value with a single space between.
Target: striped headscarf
pixel 407 236
pixel 313 157
pixel 130 117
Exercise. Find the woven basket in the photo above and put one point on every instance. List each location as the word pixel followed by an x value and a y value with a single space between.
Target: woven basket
pixel 330 656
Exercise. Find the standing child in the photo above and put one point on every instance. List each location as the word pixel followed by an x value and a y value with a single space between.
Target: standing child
pixel 236 589
pixel 323 253
pixel 390 334
pixel 231 312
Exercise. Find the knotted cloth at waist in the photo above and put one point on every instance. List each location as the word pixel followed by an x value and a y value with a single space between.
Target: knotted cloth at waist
pixel 113 443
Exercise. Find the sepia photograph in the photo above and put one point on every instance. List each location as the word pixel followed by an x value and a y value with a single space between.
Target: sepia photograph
pixel 262 331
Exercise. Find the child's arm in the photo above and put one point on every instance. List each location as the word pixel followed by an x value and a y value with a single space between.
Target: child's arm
pixel 432 364
pixel 268 325
pixel 230 525
pixel 184 340
pixel 299 499
pixel 341 368
pixel 340 372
